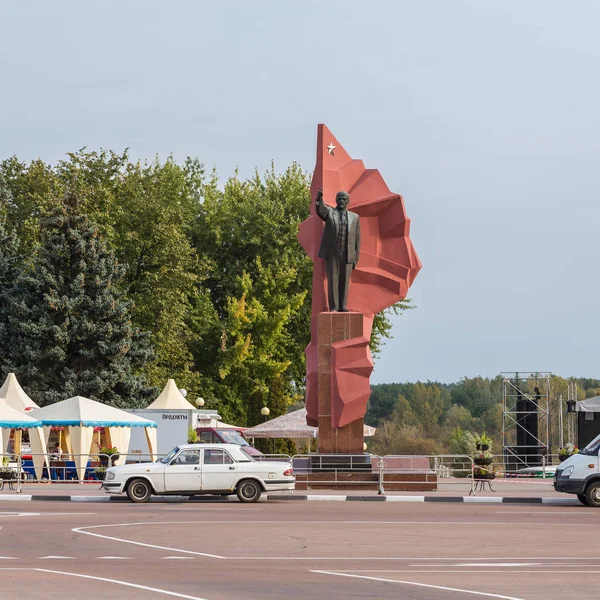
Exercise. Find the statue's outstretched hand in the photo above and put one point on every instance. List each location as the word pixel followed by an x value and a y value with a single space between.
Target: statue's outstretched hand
pixel 319 197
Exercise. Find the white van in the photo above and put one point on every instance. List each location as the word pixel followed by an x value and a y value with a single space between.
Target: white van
pixel 580 475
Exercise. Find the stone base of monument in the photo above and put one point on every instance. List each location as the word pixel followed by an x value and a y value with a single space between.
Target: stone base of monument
pixel 336 327
pixel 324 463
pixel 341 463
pixel 356 481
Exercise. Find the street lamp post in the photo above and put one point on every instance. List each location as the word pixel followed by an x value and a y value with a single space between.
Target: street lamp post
pixel 265 412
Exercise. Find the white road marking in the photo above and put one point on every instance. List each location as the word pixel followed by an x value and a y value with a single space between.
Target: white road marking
pixel 115 539
pixel 63 514
pixel 4 515
pixel 55 557
pixel 571 513
pixel 7 558
pixel 469 572
pixel 509 558
pixel 124 583
pixel 425 585
pixel 399 558
pixel 113 557
pixel 321 523
pixel 177 558
pixel 484 564
pixel 211 509
pixel 565 567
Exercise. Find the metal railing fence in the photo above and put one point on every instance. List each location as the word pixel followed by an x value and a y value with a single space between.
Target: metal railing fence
pixel 314 469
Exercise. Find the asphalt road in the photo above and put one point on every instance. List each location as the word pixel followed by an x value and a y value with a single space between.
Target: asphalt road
pixel 298 550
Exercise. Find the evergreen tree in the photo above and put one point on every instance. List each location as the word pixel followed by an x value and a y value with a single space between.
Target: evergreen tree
pixel 9 269
pixel 69 325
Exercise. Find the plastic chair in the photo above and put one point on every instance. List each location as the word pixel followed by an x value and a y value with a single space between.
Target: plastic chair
pixel 70 470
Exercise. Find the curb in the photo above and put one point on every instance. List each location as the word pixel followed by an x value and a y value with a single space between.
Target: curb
pixel 300 498
pixel 160 499
pixel 435 499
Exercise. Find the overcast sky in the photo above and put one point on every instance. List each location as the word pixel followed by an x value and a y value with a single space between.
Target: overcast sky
pixel 483 115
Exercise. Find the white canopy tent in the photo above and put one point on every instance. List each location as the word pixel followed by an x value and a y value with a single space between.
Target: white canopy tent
pixel 170 398
pixel 15 396
pixel 13 419
pixel 80 415
pixel 588 405
pixel 291 425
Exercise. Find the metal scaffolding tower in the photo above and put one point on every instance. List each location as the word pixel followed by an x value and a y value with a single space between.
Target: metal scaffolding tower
pixel 572 415
pixel 525 419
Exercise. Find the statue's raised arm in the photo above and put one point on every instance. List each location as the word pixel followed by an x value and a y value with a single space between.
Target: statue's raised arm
pixel 322 208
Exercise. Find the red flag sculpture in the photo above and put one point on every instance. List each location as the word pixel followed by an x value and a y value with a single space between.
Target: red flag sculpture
pixel 387 267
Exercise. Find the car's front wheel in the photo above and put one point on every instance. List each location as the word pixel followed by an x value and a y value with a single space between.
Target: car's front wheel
pixel 592 494
pixel 139 490
pixel 582 499
pixel 248 490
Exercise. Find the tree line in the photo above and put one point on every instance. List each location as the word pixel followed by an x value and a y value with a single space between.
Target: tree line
pixel 116 275
pixel 434 418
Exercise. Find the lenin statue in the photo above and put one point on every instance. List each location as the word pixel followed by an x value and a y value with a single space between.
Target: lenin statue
pixel 340 246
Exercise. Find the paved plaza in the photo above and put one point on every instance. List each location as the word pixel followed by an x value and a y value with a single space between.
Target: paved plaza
pixel 298 550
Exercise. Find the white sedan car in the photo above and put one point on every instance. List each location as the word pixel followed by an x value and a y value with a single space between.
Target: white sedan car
pixel 193 469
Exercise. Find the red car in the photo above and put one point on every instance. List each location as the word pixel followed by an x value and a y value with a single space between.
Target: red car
pixel 226 435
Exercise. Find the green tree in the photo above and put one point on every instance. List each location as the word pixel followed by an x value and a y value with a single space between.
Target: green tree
pixel 69 325
pixel 10 265
pixel 392 438
pixel 477 394
pixel 146 212
pixel 491 420
pixel 429 402
pixel 252 360
pixel 403 413
pixel 31 194
pixel 250 229
pixel 382 402
pixel 458 417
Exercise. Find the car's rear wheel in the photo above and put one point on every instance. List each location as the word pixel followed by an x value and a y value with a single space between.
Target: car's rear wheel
pixel 248 490
pixel 582 499
pixel 592 494
pixel 139 490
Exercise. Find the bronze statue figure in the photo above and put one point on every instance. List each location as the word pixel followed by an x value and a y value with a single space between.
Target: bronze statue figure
pixel 340 247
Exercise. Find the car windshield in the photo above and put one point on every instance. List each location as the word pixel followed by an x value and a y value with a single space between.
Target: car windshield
pixel 169 457
pixel 231 436
pixel 592 448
